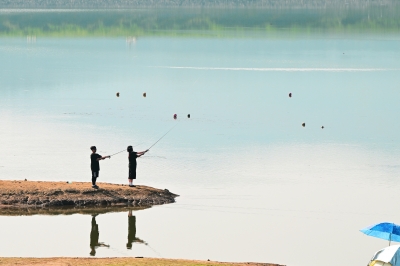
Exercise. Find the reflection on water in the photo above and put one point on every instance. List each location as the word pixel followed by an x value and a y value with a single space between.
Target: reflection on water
pixel 95 233
pixel 68 210
pixel 94 237
pixel 132 231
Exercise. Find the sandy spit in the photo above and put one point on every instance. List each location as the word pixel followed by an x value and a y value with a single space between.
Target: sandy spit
pixel 118 262
pixel 23 194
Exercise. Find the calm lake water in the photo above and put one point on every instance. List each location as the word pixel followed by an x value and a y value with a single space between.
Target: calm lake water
pixel 254 184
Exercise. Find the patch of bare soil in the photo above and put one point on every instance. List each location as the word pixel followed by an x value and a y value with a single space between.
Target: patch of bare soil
pixel 27 194
pixel 118 262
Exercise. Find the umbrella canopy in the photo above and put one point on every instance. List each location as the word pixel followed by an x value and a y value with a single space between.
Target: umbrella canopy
pixel 389 256
pixel 387 231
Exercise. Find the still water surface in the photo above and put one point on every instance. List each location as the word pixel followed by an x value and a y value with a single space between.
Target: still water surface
pixel 254 184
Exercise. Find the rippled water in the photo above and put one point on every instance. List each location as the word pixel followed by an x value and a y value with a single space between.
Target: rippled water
pixel 254 184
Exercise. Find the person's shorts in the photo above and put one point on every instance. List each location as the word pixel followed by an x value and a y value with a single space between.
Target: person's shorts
pixel 132 172
pixel 95 174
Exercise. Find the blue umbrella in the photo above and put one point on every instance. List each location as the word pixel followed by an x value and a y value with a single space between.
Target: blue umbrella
pixel 387 231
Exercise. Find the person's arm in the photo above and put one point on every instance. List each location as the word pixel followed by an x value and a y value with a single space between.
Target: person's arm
pixel 142 153
pixel 104 157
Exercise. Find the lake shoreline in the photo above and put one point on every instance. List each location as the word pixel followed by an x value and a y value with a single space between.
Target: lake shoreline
pixel 41 194
pixel 120 261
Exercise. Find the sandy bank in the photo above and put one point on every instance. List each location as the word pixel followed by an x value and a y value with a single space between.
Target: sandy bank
pixel 118 262
pixel 26 194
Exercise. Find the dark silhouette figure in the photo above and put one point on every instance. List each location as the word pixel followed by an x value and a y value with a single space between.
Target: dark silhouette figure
pixel 132 231
pixel 94 237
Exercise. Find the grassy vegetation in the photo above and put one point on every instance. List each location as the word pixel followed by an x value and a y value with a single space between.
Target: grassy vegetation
pixel 197 22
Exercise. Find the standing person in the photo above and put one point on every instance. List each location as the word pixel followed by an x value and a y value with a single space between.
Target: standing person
pixel 95 166
pixel 132 163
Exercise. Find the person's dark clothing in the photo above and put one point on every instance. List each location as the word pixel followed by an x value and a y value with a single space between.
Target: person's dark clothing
pixel 95 175
pixel 132 172
pixel 132 165
pixel 94 163
pixel 131 231
pixel 132 158
pixel 95 166
pixel 94 234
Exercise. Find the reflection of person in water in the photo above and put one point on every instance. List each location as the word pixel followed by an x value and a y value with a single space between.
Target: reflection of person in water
pixel 94 237
pixel 132 231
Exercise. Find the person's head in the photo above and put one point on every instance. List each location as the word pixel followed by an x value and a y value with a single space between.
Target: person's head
pixel 93 148
pixel 129 149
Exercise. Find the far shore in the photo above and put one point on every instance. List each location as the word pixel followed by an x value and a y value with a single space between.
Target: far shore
pixel 120 262
pixel 40 194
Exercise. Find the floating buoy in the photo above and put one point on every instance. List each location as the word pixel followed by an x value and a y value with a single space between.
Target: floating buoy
pixel 117 94
pixel 303 125
pixel 144 94
pixel 175 116
pixel 188 115
pixel 290 95
pixel 322 127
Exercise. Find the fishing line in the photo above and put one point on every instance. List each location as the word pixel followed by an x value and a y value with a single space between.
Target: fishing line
pixel 127 255
pixel 155 251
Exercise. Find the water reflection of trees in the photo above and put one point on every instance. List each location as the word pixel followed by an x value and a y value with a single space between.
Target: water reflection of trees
pixel 121 4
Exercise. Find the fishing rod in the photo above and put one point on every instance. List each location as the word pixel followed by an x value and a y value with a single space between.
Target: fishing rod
pixel 162 137
pixel 124 150
pixel 117 152
pixel 151 145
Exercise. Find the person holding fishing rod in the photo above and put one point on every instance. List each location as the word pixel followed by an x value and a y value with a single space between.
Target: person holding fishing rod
pixel 133 164
pixel 95 165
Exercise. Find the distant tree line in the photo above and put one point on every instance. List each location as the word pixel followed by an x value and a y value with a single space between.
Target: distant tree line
pixel 171 20
pixel 124 4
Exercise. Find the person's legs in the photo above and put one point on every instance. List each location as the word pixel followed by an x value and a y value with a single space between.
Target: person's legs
pixel 132 175
pixel 94 178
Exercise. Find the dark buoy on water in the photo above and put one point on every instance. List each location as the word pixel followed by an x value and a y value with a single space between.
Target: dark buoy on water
pixel 144 94
pixel 175 116
pixel 188 115
pixel 303 125
pixel 117 94
pixel 290 95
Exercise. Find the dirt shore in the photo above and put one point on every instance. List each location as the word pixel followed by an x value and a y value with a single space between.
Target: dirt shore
pixel 27 194
pixel 118 262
